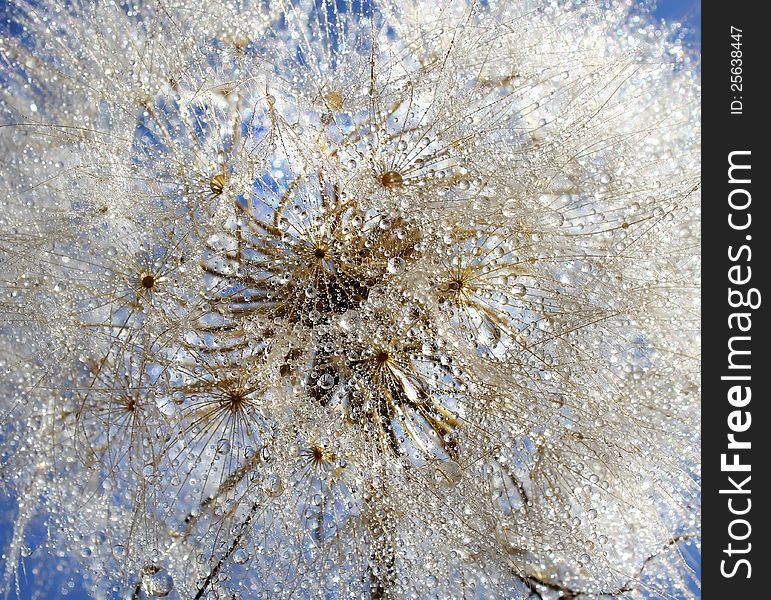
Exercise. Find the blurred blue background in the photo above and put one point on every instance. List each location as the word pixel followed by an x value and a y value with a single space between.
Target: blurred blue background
pixel 687 12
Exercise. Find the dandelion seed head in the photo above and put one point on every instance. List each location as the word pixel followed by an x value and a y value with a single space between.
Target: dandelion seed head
pixel 351 299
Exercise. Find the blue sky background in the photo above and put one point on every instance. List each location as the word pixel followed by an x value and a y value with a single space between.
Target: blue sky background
pixel 687 12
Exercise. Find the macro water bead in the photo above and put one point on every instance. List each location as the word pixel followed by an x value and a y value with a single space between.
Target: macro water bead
pixel 348 299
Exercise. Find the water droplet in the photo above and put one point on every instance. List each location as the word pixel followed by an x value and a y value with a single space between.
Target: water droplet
pixel 553 219
pixel 448 473
pixel 157 582
pixel 396 265
pixel 273 486
pixel 240 556
pixel 326 381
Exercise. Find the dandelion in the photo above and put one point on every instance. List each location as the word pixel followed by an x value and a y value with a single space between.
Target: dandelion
pixel 349 299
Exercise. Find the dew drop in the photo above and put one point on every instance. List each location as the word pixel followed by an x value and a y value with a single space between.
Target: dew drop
pixel 448 473
pixel 273 486
pixel 553 219
pixel 157 582
pixel 326 381
pixel 396 265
